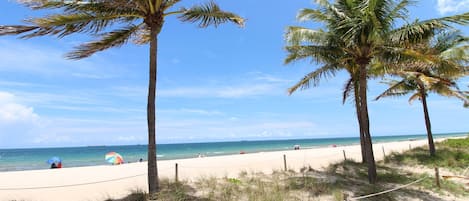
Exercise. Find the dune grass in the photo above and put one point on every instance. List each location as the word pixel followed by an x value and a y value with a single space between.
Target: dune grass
pixel 452 154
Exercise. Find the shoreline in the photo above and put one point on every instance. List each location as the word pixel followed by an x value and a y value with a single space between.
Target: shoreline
pixel 35 161
pixel 101 182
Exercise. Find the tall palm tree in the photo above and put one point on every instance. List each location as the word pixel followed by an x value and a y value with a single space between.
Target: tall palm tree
pixel 433 67
pixel 332 59
pixel 140 21
pixel 358 33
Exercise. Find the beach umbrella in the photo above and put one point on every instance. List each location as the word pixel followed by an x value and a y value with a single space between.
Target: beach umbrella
pixel 55 160
pixel 114 158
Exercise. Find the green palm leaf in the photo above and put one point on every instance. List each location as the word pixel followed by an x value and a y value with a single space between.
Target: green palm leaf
pixel 15 30
pixel 112 39
pixel 313 78
pixel 209 14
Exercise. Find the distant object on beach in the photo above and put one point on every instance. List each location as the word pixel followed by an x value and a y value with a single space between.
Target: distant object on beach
pixel 296 147
pixel 242 152
pixel 114 158
pixel 55 162
pixel 412 139
pixel 333 145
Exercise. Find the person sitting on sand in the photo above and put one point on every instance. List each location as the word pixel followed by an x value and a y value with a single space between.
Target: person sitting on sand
pixel 53 166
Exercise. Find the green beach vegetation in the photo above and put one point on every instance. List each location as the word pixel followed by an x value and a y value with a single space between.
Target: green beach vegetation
pixel 362 38
pixel 139 21
pixel 337 182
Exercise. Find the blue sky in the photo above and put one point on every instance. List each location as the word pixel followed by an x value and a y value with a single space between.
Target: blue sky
pixel 215 84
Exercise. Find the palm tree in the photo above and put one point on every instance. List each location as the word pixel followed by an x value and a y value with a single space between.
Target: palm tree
pixel 433 67
pixel 358 33
pixel 331 58
pixel 141 22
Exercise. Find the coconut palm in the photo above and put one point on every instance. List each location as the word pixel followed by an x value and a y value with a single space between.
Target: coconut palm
pixel 357 33
pixel 332 59
pixel 139 21
pixel 432 67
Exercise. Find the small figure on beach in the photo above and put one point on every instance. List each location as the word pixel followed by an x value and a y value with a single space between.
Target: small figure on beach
pixel 296 147
pixel 55 162
pixel 242 152
pixel 141 160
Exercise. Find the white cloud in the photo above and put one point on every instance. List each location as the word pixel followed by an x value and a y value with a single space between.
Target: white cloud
pixel 17 121
pixel 451 6
pixel 12 112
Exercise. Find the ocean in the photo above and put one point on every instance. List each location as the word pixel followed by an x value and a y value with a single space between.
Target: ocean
pixel 35 158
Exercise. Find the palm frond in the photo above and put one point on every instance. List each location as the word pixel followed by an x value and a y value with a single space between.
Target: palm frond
pixel 108 40
pixel 418 31
pixel 414 97
pixel 170 3
pixel 209 14
pixel 399 10
pixel 81 16
pixel 16 29
pixel 326 54
pixel 461 19
pixel 313 78
pixel 296 35
pixel 311 14
pixel 397 88
pixel 348 88
pixel 63 25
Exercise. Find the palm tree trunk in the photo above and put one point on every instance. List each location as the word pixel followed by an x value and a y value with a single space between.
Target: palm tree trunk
pixel 428 125
pixel 357 107
pixel 365 125
pixel 153 182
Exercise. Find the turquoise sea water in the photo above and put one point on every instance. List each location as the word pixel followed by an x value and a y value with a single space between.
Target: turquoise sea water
pixel 31 159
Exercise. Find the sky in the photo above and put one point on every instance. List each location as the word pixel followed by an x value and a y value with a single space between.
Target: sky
pixel 215 84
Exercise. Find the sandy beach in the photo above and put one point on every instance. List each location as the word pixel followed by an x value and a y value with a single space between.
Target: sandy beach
pixel 97 183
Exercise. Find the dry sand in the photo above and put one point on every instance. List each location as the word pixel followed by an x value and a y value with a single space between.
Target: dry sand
pixel 97 183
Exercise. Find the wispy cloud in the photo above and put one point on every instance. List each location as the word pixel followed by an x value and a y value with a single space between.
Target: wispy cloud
pixel 240 91
pixel 91 76
pixel 24 57
pixel 256 85
pixel 185 111
pixel 451 6
pixel 270 78
pixel 23 84
pixel 226 129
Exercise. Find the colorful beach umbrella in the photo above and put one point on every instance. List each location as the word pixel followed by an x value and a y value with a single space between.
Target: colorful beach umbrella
pixel 55 160
pixel 114 158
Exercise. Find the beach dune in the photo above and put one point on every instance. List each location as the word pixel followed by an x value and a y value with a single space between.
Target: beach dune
pixel 98 183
